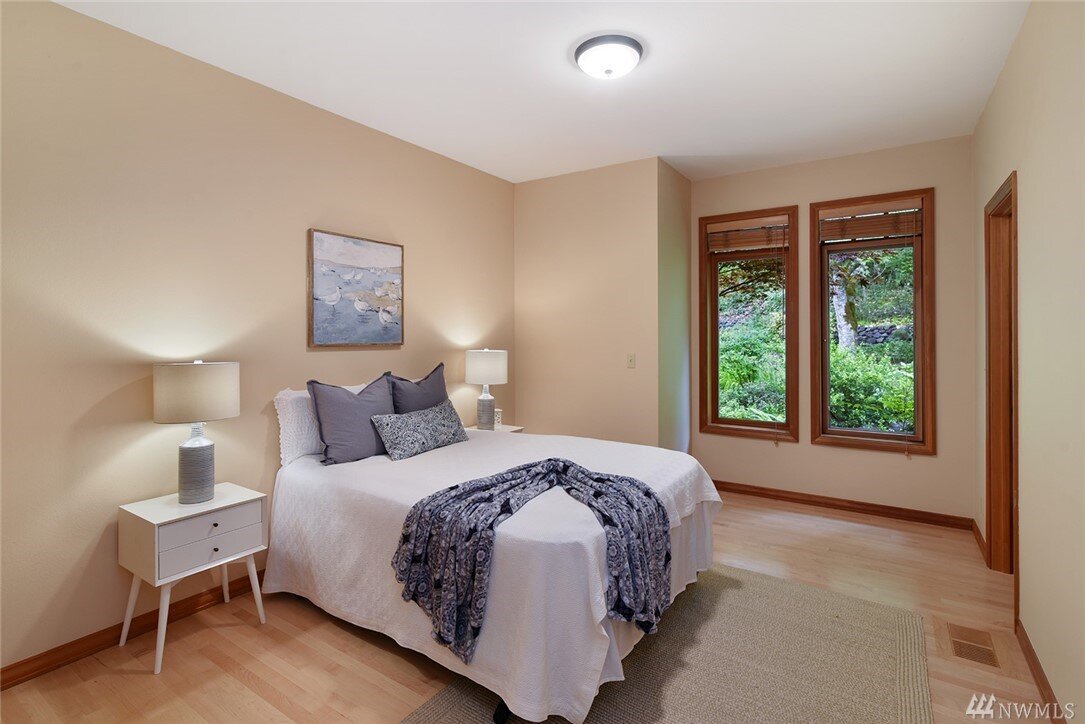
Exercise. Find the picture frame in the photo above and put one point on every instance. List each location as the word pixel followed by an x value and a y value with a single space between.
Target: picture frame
pixel 355 292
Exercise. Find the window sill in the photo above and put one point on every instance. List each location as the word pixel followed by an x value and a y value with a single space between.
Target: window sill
pixel 860 442
pixel 761 433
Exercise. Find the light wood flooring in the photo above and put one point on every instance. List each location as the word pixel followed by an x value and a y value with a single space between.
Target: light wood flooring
pixel 305 665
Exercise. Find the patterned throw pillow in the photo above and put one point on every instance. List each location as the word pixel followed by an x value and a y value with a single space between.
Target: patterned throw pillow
pixel 417 432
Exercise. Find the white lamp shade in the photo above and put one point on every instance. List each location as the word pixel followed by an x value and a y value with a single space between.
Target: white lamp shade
pixel 487 367
pixel 196 391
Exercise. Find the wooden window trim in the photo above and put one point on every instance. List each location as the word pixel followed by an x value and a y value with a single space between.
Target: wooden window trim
pixel 711 423
pixel 923 441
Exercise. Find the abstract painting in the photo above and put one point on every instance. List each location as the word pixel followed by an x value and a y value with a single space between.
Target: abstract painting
pixel 355 291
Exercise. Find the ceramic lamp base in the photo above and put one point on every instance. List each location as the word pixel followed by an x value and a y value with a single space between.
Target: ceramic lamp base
pixel 196 468
pixel 486 412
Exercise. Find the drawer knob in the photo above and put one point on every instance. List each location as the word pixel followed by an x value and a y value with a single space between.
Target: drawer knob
pixel 216 550
pixel 214 525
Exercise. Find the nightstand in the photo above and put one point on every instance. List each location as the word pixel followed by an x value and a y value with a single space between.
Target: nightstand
pixel 502 428
pixel 162 541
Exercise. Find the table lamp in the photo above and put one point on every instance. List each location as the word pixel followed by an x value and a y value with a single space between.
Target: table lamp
pixel 486 367
pixel 196 392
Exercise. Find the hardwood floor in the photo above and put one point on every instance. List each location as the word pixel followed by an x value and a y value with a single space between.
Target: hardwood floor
pixel 305 665
pixel 938 572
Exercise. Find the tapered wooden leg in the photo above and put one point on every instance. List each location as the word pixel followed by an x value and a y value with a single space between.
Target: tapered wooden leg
pixel 163 617
pixel 250 563
pixel 225 583
pixel 133 594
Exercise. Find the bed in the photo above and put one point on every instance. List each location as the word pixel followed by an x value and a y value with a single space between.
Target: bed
pixel 546 644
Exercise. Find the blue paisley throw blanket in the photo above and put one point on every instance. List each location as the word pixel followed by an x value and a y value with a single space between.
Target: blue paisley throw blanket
pixel 445 551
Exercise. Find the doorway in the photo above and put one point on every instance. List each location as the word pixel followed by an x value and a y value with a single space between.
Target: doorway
pixel 1000 267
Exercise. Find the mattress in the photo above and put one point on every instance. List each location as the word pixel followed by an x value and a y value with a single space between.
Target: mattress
pixel 546 644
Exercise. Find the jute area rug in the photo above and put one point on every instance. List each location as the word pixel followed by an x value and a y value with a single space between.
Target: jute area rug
pixel 740 646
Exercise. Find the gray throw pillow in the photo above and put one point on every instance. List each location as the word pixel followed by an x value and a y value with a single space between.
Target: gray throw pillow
pixel 416 432
pixel 344 419
pixel 409 396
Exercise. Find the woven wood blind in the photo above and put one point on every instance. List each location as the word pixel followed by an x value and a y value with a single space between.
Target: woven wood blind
pixel 768 232
pixel 898 219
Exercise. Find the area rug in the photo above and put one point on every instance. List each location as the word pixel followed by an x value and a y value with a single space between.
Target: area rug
pixel 740 646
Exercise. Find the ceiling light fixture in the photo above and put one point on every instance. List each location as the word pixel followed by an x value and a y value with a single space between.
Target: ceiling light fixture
pixel 608 56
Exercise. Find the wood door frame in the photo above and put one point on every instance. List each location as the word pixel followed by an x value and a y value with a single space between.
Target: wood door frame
pixel 1000 227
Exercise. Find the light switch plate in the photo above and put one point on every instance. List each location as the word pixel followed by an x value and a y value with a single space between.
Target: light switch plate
pixel 631 360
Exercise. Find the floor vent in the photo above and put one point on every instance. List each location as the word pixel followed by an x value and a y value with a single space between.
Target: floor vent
pixel 973 645
pixel 965 650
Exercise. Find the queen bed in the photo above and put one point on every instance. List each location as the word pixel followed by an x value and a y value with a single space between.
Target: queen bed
pixel 547 643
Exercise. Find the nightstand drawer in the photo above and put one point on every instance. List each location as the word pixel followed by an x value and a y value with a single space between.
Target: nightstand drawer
pixel 215 523
pixel 200 553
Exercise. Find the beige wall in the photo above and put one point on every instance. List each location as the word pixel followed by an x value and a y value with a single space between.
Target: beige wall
pixel 155 208
pixel 674 328
pixel 1035 123
pixel 585 287
pixel 942 483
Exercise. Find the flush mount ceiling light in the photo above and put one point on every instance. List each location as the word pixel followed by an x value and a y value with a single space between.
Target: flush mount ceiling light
pixel 608 56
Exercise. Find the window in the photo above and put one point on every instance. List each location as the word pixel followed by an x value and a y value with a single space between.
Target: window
pixel 749 374
pixel 872 358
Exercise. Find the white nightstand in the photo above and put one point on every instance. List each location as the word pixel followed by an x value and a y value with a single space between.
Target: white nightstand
pixel 162 541
pixel 502 428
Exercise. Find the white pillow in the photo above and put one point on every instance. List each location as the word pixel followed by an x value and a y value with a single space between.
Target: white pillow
pixel 299 432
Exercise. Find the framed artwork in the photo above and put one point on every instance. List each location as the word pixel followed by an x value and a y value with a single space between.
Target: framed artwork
pixel 355 292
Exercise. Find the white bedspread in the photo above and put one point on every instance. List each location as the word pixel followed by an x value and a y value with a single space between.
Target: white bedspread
pixel 546 644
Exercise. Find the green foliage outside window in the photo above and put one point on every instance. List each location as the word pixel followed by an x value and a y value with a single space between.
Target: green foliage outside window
pixel 871 385
pixel 869 391
pixel 752 362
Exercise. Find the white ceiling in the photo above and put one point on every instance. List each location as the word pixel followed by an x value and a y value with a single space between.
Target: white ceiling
pixel 723 87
